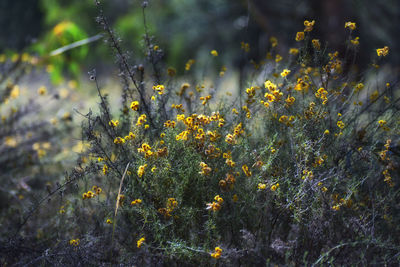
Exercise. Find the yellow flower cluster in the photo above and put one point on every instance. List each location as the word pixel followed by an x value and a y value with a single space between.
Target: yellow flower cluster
pixel 273 94
pixel 322 93
pixel 119 140
pixel 141 120
pixel 215 205
pixel 227 183
pixel 214 53
pixel 246 170
pixel 205 99
pixel 274 187
pixel 355 41
pixel 141 170
pixel 293 51
pixel 261 186
pixel 290 100
pixel 350 25
pixel 159 89
pixel 285 72
pixel 140 242
pixel 307 175
pixel 388 178
pixel 340 124
pixel 169 124
pixel 130 136
pixel 316 44
pixel 217 253
pixel 359 87
pixel 287 120
pixel 136 202
pixel 308 25
pixel 135 105
pixel 172 204
pixel 301 85
pixel 74 242
pixel 178 107
pixel 113 123
pixel 105 169
pixel 205 169
pixel 146 149
pixel 299 36
pixel 383 153
pixel 231 138
pixel 90 194
pixel 382 51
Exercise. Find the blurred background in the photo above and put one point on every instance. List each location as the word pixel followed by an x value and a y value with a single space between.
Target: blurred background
pixel 191 28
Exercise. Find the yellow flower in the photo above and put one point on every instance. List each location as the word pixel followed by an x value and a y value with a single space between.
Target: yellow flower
pixel 299 36
pixel 159 88
pixel 214 53
pixel 205 170
pixel 285 72
pixel 109 221
pixel 246 171
pixel 261 186
pixel 74 242
pixel 135 105
pixel 217 253
pixel 105 169
pixel 340 124
pixel 130 136
pixel 113 123
pixel 308 25
pixel 141 169
pixel 141 120
pixel 359 87
pixel 350 25
pixel 326 132
pixel 140 242
pixel 274 187
pixel 382 51
pixel 136 201
pixel 355 41
pixel 316 44
pixel 382 123
pixel 119 140
pixel 293 51
pixel 278 58
pixel 42 90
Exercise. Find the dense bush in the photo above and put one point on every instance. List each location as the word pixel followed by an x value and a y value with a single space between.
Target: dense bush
pixel 299 168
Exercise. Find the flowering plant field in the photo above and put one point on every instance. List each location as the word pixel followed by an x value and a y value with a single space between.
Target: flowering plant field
pixel 299 166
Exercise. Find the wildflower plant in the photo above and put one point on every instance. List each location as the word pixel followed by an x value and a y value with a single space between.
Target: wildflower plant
pixel 299 164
